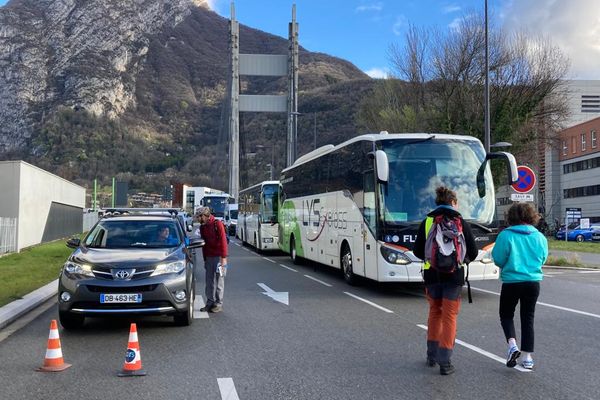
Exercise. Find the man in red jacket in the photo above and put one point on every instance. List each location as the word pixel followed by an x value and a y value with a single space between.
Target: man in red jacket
pixel 214 253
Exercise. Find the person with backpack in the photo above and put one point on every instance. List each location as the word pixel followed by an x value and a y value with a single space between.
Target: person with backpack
pixel 520 251
pixel 446 245
pixel 214 253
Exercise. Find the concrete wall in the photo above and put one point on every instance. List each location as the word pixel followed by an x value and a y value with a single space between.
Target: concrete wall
pixel 46 206
pixel 9 182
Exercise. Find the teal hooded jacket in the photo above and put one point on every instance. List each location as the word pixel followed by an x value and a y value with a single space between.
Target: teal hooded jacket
pixel 520 251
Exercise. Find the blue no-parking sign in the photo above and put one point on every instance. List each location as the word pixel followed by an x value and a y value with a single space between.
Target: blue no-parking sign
pixel 526 180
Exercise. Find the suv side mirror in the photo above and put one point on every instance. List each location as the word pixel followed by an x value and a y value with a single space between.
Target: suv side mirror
pixel 73 243
pixel 196 243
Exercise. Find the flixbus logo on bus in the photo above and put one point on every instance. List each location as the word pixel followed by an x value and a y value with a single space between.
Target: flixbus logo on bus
pixel 312 215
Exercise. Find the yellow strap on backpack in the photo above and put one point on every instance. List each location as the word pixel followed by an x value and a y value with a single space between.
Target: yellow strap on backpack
pixel 428 225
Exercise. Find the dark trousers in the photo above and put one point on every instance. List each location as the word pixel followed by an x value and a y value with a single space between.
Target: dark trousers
pixel 527 294
pixel 444 305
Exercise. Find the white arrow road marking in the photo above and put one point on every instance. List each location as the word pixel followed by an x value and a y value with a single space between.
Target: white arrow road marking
pixel 482 352
pixel 369 303
pixel 317 280
pixel 547 305
pixel 281 297
pixel 198 304
pixel 227 389
pixel 286 267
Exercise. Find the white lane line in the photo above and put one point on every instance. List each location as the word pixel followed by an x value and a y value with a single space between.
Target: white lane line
pixel 482 352
pixel 589 272
pixel 286 267
pixel 227 389
pixel 268 259
pixel 369 303
pixel 237 244
pixel 198 304
pixel 317 280
pixel 553 273
pixel 548 305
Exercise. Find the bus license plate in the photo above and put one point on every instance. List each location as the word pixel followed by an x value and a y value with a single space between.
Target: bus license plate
pixel 120 298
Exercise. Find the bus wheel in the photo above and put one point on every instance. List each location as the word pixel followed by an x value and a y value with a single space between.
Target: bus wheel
pixel 293 253
pixel 346 264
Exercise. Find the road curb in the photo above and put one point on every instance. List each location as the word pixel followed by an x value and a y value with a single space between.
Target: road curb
pixel 17 308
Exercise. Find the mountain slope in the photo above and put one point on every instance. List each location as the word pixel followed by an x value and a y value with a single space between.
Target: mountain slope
pixel 135 88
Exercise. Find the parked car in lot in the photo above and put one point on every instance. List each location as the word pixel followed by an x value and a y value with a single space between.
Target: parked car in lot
pixel 129 263
pixel 579 234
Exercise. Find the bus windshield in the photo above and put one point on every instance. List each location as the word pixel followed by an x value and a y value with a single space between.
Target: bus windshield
pixel 270 202
pixel 217 205
pixel 417 168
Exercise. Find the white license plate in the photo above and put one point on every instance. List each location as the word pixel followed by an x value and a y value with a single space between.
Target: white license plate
pixel 120 298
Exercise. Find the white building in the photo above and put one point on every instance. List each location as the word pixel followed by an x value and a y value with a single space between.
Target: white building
pixel 36 206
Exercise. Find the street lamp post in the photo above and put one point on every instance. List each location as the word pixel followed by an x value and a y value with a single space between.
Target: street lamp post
pixel 296 114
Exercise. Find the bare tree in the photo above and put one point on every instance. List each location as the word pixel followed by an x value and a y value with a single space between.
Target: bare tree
pixel 439 80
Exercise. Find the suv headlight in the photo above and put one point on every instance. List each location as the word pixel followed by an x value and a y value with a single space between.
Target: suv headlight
pixel 169 268
pixel 394 256
pixel 73 268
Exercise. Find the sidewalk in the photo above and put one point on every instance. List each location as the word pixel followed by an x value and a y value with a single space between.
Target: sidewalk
pixel 17 308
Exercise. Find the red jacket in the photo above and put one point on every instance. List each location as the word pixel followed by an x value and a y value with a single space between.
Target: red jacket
pixel 215 239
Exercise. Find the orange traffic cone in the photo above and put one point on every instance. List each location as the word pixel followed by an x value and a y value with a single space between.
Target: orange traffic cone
pixel 53 362
pixel 133 360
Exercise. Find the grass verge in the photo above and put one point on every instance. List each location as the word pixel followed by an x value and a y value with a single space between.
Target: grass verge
pixel 563 261
pixel 586 247
pixel 32 268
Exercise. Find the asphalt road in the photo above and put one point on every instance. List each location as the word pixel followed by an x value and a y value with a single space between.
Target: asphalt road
pixel 331 341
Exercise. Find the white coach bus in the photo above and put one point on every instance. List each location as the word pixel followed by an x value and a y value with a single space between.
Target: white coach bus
pixel 357 206
pixel 258 207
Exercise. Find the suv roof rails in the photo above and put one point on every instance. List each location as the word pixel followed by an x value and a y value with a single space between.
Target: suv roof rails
pixel 113 212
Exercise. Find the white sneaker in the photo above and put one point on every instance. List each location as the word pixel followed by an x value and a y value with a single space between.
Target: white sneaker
pixel 513 355
pixel 527 364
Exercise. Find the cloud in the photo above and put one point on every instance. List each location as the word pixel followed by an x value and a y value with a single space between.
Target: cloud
pixel 573 26
pixel 401 22
pixel 370 7
pixel 377 73
pixel 451 9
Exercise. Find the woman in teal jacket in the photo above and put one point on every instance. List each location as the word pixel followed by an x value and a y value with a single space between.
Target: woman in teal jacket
pixel 520 251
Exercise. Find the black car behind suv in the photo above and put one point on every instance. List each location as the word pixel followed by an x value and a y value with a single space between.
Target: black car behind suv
pixel 132 262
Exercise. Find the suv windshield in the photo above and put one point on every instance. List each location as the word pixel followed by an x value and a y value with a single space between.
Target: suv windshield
pixel 122 234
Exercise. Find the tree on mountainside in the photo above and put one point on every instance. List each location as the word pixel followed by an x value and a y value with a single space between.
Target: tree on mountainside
pixel 439 86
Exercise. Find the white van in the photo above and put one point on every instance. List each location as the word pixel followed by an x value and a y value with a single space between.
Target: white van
pixel 231 216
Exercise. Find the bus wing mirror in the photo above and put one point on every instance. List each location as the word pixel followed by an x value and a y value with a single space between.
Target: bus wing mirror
pixel 383 167
pixel 511 164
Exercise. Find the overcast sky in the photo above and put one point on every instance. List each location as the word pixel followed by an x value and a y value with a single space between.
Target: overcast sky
pixel 361 31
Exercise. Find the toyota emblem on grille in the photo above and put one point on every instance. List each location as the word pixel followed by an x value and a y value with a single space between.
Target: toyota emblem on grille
pixel 122 274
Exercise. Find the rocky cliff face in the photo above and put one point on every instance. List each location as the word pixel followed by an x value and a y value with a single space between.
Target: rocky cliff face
pixel 74 53
pixel 136 88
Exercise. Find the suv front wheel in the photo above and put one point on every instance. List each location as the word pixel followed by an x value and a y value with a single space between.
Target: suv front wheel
pixel 187 317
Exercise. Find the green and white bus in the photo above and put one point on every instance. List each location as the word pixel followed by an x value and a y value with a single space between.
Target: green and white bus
pixel 357 206
pixel 258 207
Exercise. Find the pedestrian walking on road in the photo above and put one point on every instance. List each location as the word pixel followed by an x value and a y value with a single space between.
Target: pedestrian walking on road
pixel 214 253
pixel 520 251
pixel 443 290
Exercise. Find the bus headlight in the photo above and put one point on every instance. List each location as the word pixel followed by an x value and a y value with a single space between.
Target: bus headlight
pixel 394 256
